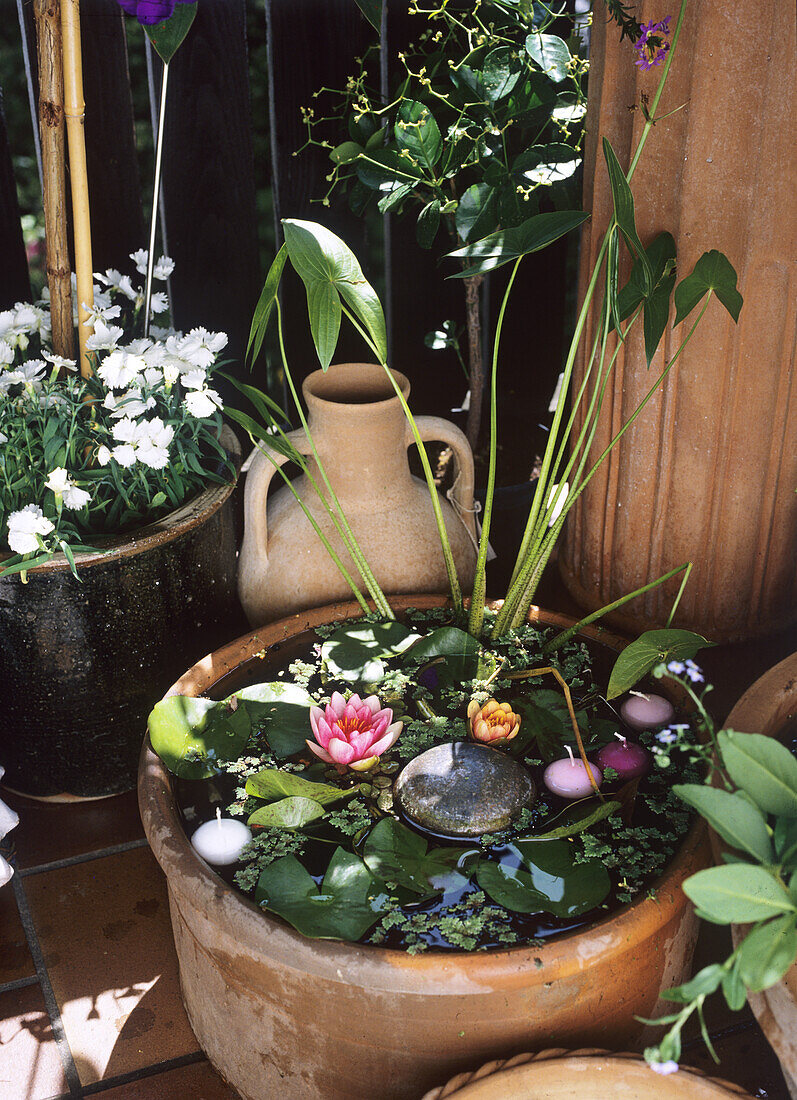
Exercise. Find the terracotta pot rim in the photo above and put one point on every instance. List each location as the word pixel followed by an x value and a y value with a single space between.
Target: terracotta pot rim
pixel 188 515
pixel 227 906
pixel 310 389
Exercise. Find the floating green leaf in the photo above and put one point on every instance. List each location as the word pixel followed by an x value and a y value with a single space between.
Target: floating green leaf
pixel 732 816
pixel 395 853
pixel 549 881
pixel 191 736
pixel 713 271
pixel 767 953
pixel 575 819
pixel 652 648
pixel 354 650
pixel 509 244
pixel 271 784
pixel 763 768
pixel 281 710
pixel 551 54
pixel 343 908
pixel 737 893
pixel 288 813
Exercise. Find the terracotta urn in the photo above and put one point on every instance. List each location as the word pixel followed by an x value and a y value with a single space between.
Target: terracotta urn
pixel 306 1019
pixel 768 707
pixel 361 436
pixel 79 659
pixel 586 1074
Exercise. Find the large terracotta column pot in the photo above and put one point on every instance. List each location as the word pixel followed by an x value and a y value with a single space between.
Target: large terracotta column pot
pixel 707 473
pixel 361 436
pixel 770 706
pixel 301 1019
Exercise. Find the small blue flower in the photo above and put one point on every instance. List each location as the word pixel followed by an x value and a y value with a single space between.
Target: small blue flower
pixel 678 667
pixel 666 736
pixel 694 673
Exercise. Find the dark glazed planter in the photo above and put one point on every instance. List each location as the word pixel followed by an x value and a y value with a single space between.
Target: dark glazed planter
pixel 283 1016
pixel 81 661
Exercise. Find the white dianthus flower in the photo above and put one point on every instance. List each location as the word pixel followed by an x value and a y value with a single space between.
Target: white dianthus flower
pixel 105 337
pixel 58 480
pixel 202 403
pixel 75 498
pixel 24 526
pixel 124 454
pixel 103 455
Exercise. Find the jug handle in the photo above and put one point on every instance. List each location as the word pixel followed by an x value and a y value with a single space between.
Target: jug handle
pixel 461 493
pixel 258 479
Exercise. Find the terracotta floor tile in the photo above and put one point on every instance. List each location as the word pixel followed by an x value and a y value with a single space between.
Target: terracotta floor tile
pixel 105 932
pixel 30 1065
pixel 199 1082
pixel 49 831
pixel 15 958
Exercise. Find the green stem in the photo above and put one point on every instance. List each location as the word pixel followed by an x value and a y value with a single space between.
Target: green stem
pixel 677 599
pixel 476 619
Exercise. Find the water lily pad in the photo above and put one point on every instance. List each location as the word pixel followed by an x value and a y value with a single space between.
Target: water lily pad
pixel 271 784
pixel 191 736
pixel 281 710
pixel 288 813
pixel 344 907
pixel 548 880
pixel 460 654
pixel 396 854
pixel 355 650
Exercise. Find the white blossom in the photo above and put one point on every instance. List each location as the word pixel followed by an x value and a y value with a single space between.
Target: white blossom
pixel 120 368
pixel 140 258
pixel 133 403
pixel 75 498
pixel 99 312
pixel 105 337
pixel 112 277
pixel 201 403
pixel 153 377
pixel 103 455
pixel 124 454
pixel 126 430
pixel 59 361
pixel 6 353
pixel 163 268
pixel 24 526
pixel 125 286
pixel 194 379
pixel 664 1068
pixel 58 480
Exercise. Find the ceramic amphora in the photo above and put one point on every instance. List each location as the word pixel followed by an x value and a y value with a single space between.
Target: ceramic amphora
pixel 361 436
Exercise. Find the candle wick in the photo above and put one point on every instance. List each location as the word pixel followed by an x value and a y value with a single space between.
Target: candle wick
pixel 623 740
pixel 218 815
pixel 570 754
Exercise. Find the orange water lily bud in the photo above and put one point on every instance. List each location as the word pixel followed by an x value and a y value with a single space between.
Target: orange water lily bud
pixel 492 722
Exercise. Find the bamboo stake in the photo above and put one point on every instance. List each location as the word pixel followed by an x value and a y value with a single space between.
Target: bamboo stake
pixel 47 14
pixel 75 111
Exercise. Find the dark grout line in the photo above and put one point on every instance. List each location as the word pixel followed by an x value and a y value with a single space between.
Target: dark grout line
pixel 19 983
pixel 86 857
pixel 70 1070
pixel 142 1074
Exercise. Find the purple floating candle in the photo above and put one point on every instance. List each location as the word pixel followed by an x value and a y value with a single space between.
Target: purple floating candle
pixel 627 758
pixel 647 712
pixel 568 777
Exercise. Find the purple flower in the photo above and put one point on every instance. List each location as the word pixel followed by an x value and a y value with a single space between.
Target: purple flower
pixel 150 12
pixel 652 44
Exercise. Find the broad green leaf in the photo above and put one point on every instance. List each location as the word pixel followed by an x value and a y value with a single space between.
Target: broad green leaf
pixel 288 813
pixel 167 37
pixel 343 908
pixel 397 854
pixel 767 953
pixel 706 981
pixel 265 305
pixel 508 244
pixel 737 893
pixel 372 10
pixel 785 838
pixel 346 152
pixel 713 271
pixel 394 198
pixel 354 650
pixel 428 224
pixel 624 214
pixel 733 988
pixel 763 768
pixel 330 270
pixel 417 131
pixel 191 736
pixel 500 72
pixel 476 211
pixel 656 310
pixel 551 54
pixel 652 648
pixel 271 784
pixel 459 652
pixel 576 819
pixel 546 164
pixel 549 881
pixel 736 821
pixel 281 711
pixel 386 166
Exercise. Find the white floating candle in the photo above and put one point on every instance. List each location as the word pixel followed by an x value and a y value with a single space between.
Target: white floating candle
pixel 626 757
pixel 221 842
pixel 568 777
pixel 647 712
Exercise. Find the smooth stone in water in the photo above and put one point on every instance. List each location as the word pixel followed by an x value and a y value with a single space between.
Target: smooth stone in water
pixel 463 790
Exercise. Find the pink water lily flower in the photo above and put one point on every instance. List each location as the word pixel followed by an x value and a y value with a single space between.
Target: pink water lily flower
pixel 352 734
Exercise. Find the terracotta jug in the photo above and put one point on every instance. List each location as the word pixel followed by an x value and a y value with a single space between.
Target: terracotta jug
pixel 362 436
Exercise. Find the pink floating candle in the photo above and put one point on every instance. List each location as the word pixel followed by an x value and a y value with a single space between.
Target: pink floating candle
pixel 568 777
pixel 627 758
pixel 647 712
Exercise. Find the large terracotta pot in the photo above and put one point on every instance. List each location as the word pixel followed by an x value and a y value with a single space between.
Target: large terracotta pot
pixel 81 659
pixel 361 436
pixel 767 707
pixel 283 1016
pixel 707 471
pixel 585 1074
